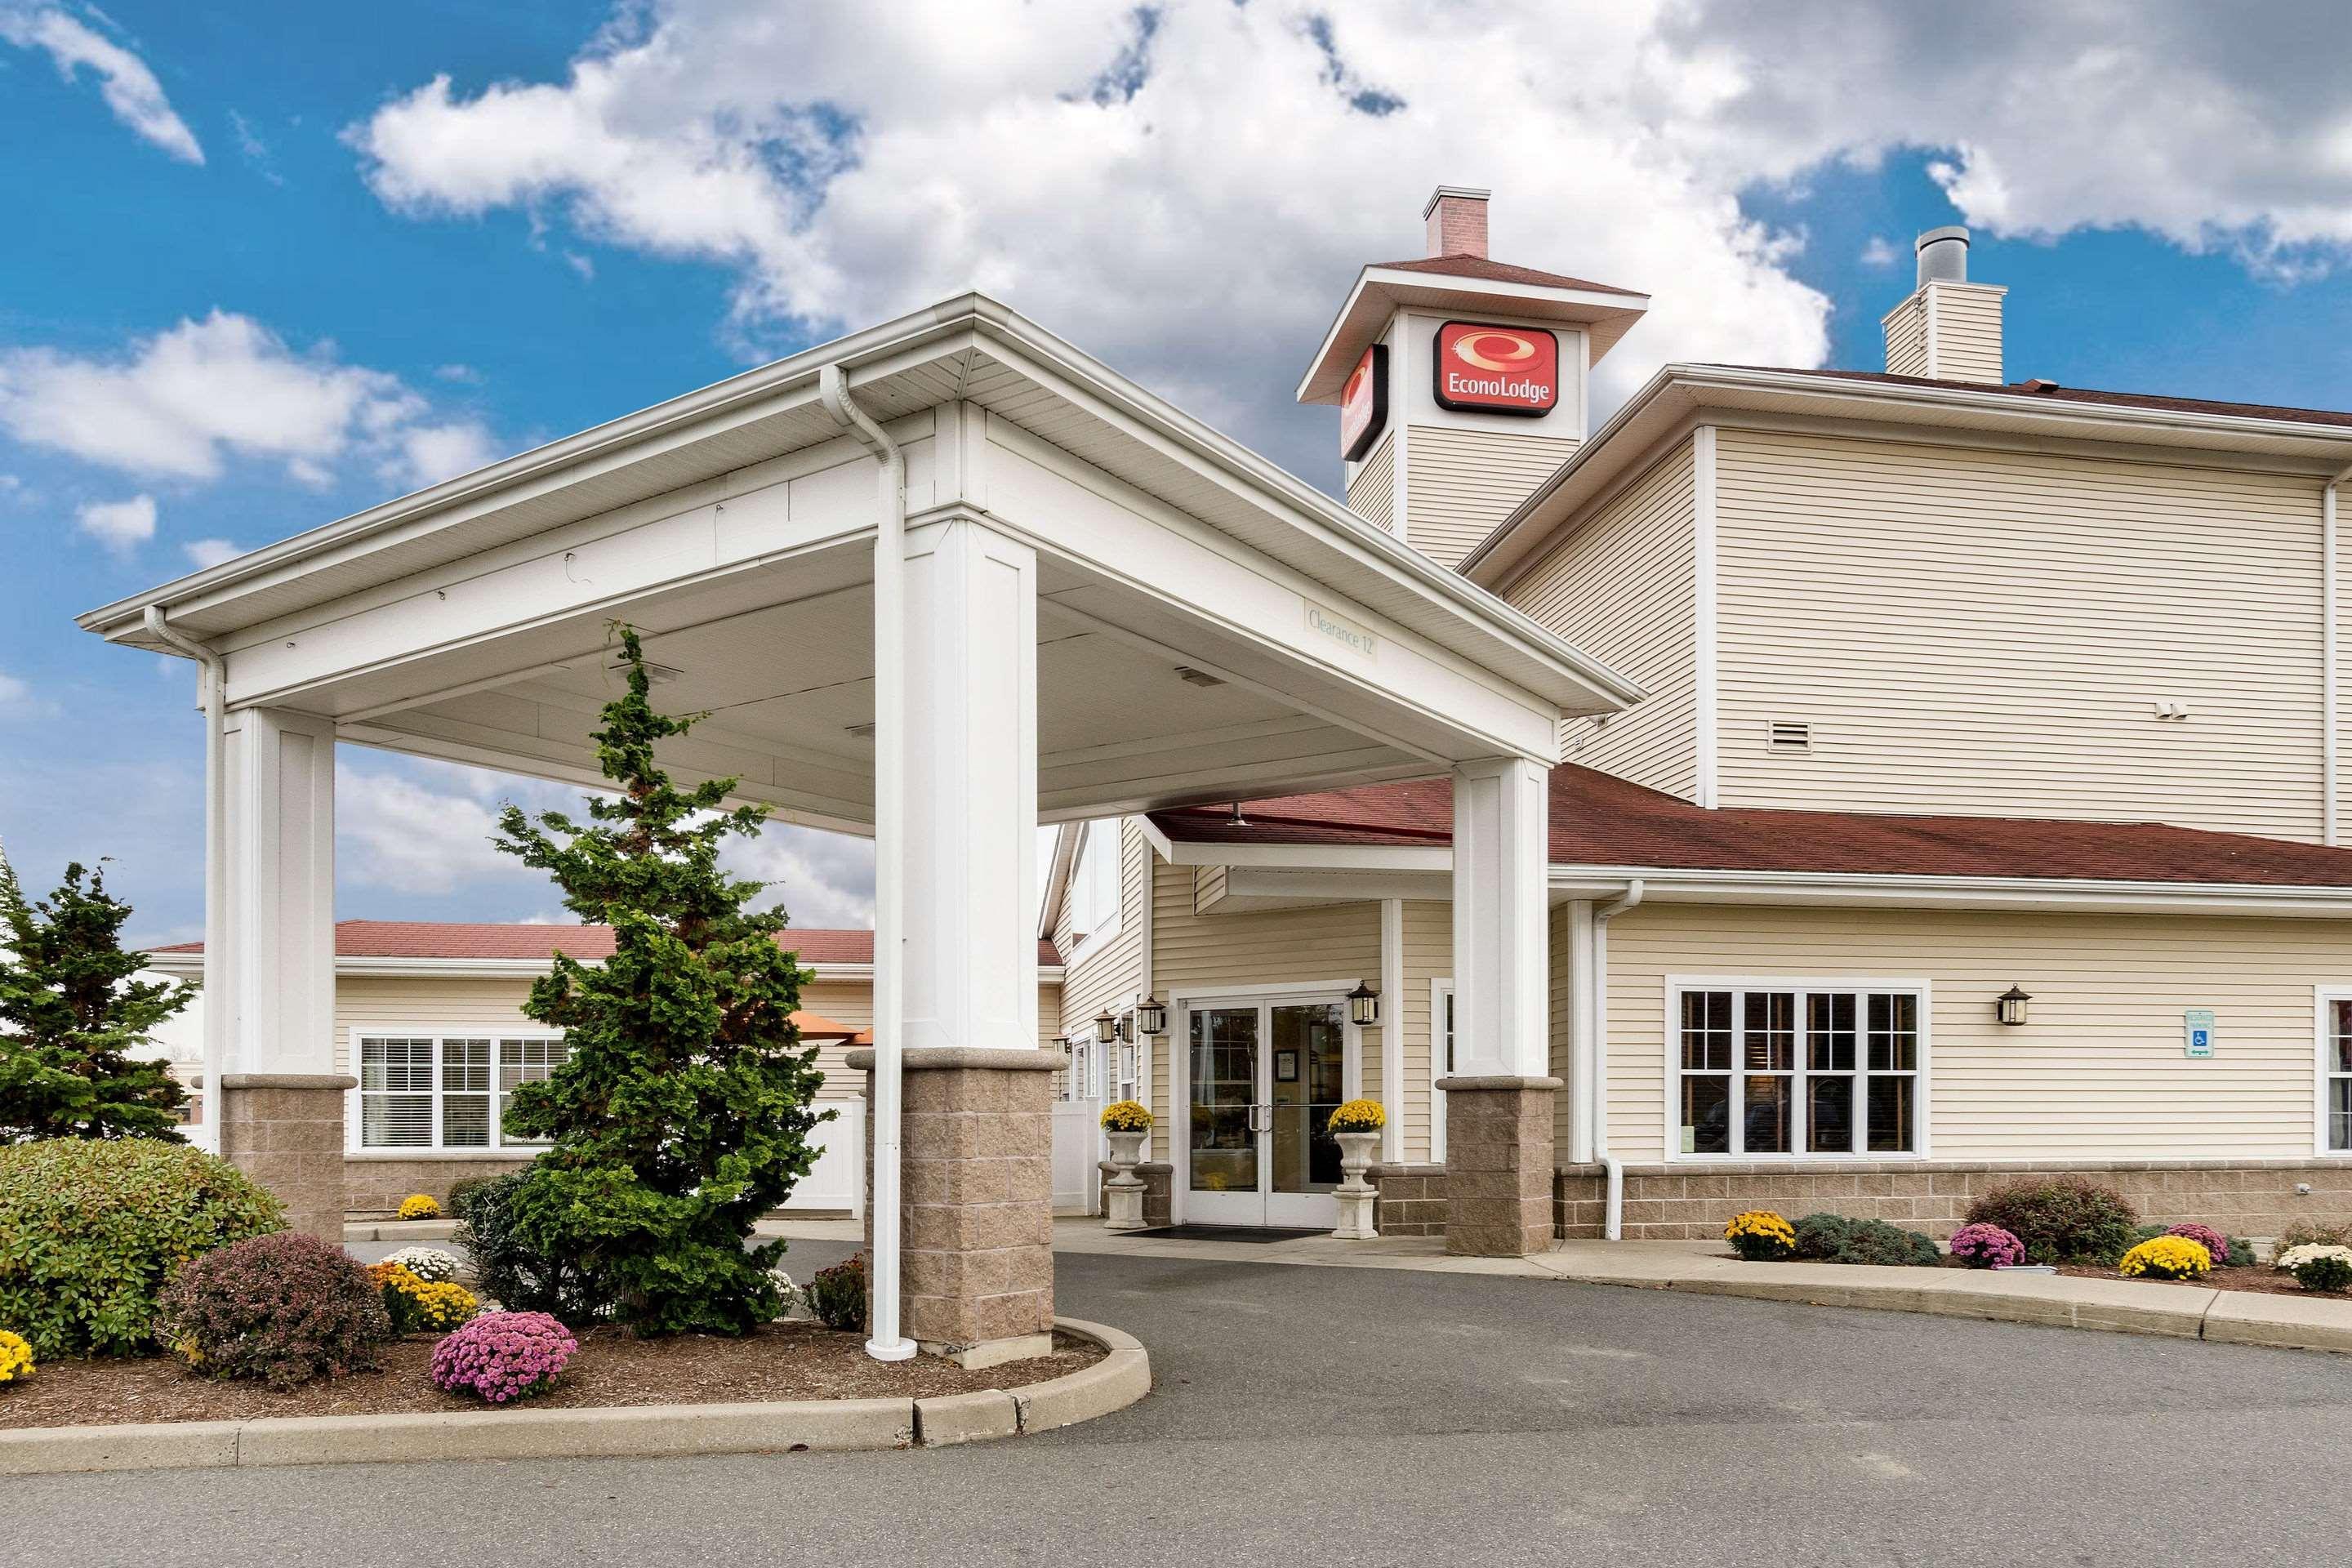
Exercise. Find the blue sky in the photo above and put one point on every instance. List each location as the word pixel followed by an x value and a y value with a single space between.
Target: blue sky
pixel 480 227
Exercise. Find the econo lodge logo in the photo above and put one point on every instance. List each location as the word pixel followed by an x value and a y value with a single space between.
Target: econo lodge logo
pixel 1497 370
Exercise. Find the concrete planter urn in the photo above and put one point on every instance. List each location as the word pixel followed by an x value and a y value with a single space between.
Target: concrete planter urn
pixel 1358 1199
pixel 1123 1193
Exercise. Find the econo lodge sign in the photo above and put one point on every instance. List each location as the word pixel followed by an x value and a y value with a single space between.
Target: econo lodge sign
pixel 1364 404
pixel 1497 370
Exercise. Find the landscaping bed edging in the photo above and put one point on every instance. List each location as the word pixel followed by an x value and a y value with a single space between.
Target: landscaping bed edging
pixel 624 1431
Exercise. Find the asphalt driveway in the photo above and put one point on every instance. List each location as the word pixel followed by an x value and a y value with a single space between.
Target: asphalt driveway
pixel 1313 1415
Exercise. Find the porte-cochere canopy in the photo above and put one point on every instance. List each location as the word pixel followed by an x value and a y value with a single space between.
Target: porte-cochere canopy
pixel 1086 602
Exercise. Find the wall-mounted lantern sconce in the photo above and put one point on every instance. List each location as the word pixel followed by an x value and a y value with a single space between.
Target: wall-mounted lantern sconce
pixel 1363 1005
pixel 1152 1017
pixel 1105 1027
pixel 2010 1006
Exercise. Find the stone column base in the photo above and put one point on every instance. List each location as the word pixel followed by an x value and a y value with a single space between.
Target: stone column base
pixel 285 1130
pixel 976 1200
pixel 1356 1212
pixel 1499 1169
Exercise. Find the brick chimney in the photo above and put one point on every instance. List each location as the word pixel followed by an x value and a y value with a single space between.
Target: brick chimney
pixel 1456 217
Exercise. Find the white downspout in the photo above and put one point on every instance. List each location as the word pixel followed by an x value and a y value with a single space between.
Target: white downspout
pixel 2327 658
pixel 887 1342
pixel 213 687
pixel 1613 1214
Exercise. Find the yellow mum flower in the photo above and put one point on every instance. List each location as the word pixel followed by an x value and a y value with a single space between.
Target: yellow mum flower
pixel 2168 1258
pixel 16 1357
pixel 420 1206
pixel 1126 1116
pixel 1358 1116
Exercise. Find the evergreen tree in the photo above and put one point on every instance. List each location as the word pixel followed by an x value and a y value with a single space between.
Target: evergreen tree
pixel 683 1110
pixel 71 1013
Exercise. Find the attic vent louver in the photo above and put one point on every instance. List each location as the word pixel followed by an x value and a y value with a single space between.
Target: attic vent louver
pixel 1197 677
pixel 1789 736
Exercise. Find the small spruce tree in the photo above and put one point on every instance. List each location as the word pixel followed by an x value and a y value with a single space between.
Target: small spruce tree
pixel 72 1011
pixel 683 1110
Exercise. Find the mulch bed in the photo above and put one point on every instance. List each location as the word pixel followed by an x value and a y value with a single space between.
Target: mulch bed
pixel 792 1359
pixel 2260 1279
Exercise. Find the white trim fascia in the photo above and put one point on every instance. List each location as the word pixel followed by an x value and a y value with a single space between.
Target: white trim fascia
pixel 2321 996
pixel 1316 856
pixel 188 965
pixel 1704 609
pixel 1392 1027
pixel 1057 877
pixel 1872 889
pixel 1671 1061
pixel 1152 836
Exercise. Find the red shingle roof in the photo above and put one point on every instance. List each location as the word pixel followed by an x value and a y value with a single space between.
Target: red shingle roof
pixel 1599 820
pixel 456 939
pixel 1498 272
pixel 2049 391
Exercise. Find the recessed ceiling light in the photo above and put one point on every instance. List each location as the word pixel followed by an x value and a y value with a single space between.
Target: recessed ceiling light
pixel 1198 677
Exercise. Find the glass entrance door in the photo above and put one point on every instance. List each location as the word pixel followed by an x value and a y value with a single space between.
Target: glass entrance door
pixel 1265 1078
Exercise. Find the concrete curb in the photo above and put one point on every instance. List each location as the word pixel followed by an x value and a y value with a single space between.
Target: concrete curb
pixel 628 1431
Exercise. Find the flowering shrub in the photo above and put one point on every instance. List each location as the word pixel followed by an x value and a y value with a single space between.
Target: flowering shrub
pixel 1760 1236
pixel 1126 1116
pixel 1987 1247
pixel 504 1356
pixel 1358 1116
pixel 16 1357
pixel 837 1295
pixel 2216 1244
pixel 90 1229
pixel 417 1305
pixel 429 1264
pixel 2168 1258
pixel 420 1206
pixel 2061 1219
pixel 2318 1265
pixel 2307 1233
pixel 282 1308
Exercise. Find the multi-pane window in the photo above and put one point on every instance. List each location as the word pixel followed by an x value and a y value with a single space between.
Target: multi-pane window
pixel 446 1092
pixel 1797 1070
pixel 2336 1082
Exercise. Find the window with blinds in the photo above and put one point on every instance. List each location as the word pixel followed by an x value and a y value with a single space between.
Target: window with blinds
pixel 446 1092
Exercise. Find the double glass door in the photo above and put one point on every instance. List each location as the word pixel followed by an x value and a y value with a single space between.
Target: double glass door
pixel 1266 1077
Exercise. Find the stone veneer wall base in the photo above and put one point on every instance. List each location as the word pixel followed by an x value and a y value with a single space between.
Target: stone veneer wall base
pixel 976 1199
pixel 284 1131
pixel 1498 1164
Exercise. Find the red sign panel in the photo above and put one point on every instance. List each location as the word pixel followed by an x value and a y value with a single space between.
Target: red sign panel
pixel 1364 404
pixel 1497 370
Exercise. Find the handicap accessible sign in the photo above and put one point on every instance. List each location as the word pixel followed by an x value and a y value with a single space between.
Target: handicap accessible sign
pixel 2198 1022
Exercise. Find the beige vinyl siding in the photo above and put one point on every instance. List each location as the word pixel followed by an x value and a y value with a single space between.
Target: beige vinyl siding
pixel 1460 483
pixel 1977 631
pixel 1906 336
pixel 1428 956
pixel 1968 332
pixel 1111 971
pixel 2098 1070
pixel 398 1004
pixel 1372 494
pixel 1623 588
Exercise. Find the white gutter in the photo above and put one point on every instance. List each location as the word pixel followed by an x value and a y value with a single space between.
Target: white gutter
pixel 2328 618
pixel 1861 889
pixel 214 688
pixel 1612 1226
pixel 886 1343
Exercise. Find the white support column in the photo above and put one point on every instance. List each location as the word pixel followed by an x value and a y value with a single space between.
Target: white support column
pixel 1581 1055
pixel 1501 959
pixel 279 935
pixel 971 759
pixel 277 1095
pixel 1393 1028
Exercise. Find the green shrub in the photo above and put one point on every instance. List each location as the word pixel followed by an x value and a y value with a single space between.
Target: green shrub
pixel 837 1295
pixel 1833 1238
pixel 2323 1268
pixel 90 1230
pixel 2061 1219
pixel 279 1308
pixel 508 1270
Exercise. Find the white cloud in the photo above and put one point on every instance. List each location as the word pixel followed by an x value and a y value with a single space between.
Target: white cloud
pixel 823 880
pixel 1186 190
pixel 130 88
pixel 463 374
pixel 257 150
pixel 399 834
pixel 184 401
pixel 122 526
pixel 14 695
pixel 1878 251
pixel 203 552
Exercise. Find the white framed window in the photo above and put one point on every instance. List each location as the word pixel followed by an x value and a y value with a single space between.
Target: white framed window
pixel 1809 1069
pixel 2335 1072
pixel 1094 895
pixel 1078 1078
pixel 422 1090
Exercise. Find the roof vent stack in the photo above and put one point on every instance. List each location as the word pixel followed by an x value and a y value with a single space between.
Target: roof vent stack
pixel 1950 328
pixel 1457 220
